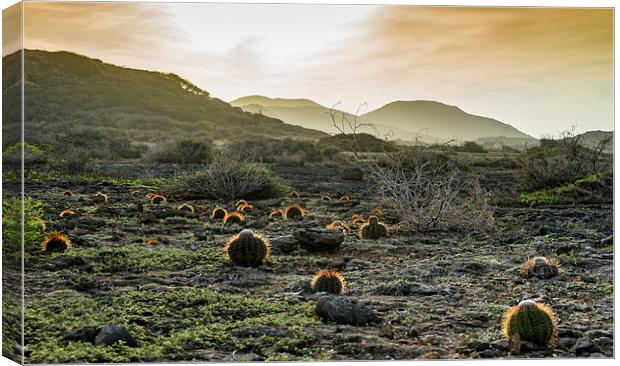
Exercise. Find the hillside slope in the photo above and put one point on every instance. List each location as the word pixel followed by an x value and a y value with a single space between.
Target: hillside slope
pixel 65 89
pixel 439 120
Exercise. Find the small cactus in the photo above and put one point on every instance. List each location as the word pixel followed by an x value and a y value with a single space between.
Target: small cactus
pixel 233 218
pixel 241 202
pixel 357 220
pixel 373 229
pixel 540 267
pixel 326 198
pixel 329 281
pixel 67 193
pixel 186 207
pixel 294 194
pixel 345 198
pixel 355 216
pixel 532 322
pixel 337 224
pixel 66 212
pixel 247 249
pixel 55 242
pixel 150 195
pixel 101 197
pixel 151 242
pixel 218 213
pixel 294 212
pixel 245 207
pixel 135 192
pixel 377 211
pixel 157 199
pixel 275 213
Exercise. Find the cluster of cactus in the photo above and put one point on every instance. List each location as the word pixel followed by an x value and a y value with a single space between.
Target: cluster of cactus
pixel 186 207
pixel 101 197
pixel 337 224
pixel 218 213
pixel 540 267
pixel 66 212
pixel 329 281
pixel 233 218
pixel 294 212
pixel 373 229
pixel 247 249
pixel 55 242
pixel 532 322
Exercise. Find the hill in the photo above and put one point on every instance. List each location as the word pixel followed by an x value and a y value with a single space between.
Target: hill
pixel 440 121
pixel 592 138
pixel 66 90
pixel 426 121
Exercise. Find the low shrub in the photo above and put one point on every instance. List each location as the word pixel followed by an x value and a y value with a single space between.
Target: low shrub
pixel 229 180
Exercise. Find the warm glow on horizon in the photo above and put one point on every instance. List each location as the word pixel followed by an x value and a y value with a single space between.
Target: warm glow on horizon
pixel 538 69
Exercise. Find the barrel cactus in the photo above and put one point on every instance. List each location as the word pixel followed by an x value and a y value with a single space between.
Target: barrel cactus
pixel 101 197
pixel 345 198
pixel 67 193
pixel 135 192
pixel 294 212
pixel 66 213
pixel 247 249
pixel 540 267
pixel 55 242
pixel 533 322
pixel 241 202
pixel 294 194
pixel 326 198
pixel 329 281
pixel 218 213
pixel 373 229
pixel 377 211
pixel 358 220
pixel 186 207
pixel 157 199
pixel 245 207
pixel 337 224
pixel 275 213
pixel 233 218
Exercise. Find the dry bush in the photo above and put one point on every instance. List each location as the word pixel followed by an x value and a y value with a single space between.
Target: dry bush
pixel 429 198
pixel 428 191
pixel 230 179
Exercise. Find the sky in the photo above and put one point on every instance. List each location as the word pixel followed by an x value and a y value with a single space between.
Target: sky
pixel 541 70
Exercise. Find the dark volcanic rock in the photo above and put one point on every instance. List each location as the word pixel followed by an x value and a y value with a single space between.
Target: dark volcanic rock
pixel 284 244
pixel 111 334
pixel 344 310
pixel 318 240
pixel 86 334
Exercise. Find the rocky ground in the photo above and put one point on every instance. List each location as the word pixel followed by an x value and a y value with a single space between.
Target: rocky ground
pixel 437 295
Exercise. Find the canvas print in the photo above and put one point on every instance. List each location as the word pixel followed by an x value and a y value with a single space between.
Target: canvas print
pixel 194 182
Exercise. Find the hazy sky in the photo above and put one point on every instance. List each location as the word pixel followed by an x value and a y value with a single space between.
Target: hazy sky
pixel 539 69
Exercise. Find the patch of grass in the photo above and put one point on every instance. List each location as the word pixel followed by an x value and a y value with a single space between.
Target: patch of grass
pixel 12 224
pixel 169 322
pixel 602 288
pixel 489 309
pixel 136 259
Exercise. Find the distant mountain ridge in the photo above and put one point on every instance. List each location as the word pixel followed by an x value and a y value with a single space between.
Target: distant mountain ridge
pixel 428 121
pixel 64 89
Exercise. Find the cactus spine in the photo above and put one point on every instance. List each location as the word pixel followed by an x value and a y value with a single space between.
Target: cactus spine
pixel 247 249
pixel 373 229
pixel 533 322
pixel 329 281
